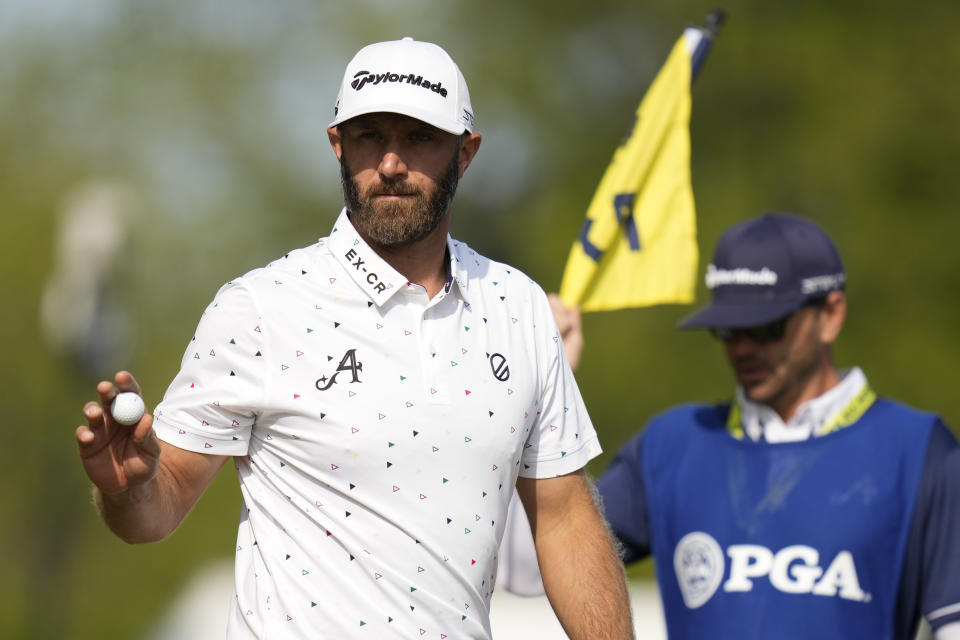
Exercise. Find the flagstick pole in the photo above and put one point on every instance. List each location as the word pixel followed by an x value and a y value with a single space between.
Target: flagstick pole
pixel 711 25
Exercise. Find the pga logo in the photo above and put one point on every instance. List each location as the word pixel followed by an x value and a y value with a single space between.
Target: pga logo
pixel 699 564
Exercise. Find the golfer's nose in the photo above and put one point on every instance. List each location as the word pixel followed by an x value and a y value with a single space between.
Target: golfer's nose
pixel 392 165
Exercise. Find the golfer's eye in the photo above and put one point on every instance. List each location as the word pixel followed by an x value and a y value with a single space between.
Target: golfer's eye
pixel 421 136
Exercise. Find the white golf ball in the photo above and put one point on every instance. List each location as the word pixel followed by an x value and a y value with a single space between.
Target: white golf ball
pixel 127 408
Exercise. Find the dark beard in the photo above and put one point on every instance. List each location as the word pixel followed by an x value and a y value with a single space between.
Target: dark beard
pixel 402 223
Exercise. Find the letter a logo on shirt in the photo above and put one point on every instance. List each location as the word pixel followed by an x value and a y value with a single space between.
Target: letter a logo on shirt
pixel 347 363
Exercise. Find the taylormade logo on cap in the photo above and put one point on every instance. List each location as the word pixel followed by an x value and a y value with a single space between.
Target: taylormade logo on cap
pixel 719 277
pixel 415 79
pixel 362 78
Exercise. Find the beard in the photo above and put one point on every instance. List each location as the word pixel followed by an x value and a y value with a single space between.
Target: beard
pixel 397 224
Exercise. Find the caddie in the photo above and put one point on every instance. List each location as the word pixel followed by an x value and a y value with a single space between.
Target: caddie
pixel 807 506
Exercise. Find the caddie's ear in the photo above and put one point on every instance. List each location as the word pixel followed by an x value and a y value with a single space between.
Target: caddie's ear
pixel 832 314
pixel 469 144
pixel 333 135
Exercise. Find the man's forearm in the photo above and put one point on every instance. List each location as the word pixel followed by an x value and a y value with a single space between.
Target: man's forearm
pixel 588 589
pixel 145 513
pixel 153 510
pixel 582 572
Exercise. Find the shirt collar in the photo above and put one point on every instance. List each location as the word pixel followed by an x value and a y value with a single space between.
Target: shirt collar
pixel 375 276
pixel 369 271
pixel 813 418
pixel 462 259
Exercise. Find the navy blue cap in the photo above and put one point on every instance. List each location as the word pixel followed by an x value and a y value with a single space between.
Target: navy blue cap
pixel 766 268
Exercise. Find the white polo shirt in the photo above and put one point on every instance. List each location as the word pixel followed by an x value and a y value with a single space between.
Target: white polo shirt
pixel 377 435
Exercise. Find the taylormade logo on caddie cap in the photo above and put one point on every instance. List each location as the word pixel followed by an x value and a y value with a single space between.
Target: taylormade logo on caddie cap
pixel 362 78
pixel 719 277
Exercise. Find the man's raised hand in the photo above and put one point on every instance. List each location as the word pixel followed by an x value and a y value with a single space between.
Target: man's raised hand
pixel 117 457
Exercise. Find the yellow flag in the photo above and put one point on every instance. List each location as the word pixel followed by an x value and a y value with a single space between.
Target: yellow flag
pixel 638 246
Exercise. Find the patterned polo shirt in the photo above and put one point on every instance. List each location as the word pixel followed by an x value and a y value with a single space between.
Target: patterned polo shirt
pixel 377 435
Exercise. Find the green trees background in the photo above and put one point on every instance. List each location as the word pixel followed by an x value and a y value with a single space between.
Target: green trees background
pixel 210 116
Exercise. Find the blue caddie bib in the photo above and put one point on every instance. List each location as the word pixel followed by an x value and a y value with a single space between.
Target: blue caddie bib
pixel 788 540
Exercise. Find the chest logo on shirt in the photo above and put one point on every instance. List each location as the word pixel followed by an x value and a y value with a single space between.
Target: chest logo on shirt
pixel 347 363
pixel 498 364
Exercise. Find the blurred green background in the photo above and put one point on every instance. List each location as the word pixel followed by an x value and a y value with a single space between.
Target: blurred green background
pixel 203 123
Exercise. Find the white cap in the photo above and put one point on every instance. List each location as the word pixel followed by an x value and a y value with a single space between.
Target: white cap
pixel 416 79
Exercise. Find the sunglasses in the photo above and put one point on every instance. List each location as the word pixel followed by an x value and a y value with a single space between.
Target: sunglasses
pixel 765 333
pixel 770 332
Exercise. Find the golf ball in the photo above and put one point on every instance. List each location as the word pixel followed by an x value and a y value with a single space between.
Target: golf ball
pixel 127 408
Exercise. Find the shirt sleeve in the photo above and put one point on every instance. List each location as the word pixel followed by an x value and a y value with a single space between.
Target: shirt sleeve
pixel 930 583
pixel 624 500
pixel 562 439
pixel 212 403
pixel 941 602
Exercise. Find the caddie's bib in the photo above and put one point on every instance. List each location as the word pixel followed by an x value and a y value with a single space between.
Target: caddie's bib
pixel 789 540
